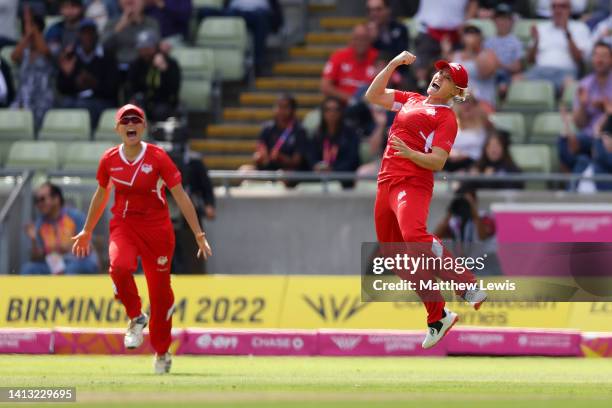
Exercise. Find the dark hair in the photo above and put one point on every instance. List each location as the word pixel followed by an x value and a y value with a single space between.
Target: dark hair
pixel 472 29
pixel 55 191
pixel 602 44
pixel 73 2
pixel 504 138
pixel 322 125
pixel 290 100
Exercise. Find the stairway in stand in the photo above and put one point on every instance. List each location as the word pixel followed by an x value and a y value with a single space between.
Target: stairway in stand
pixel 231 142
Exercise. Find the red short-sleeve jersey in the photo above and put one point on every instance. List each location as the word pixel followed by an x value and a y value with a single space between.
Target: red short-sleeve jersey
pixel 421 126
pixel 347 72
pixel 139 185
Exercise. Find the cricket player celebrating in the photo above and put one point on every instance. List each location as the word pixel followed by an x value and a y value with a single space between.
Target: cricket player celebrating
pixel 420 140
pixel 141 226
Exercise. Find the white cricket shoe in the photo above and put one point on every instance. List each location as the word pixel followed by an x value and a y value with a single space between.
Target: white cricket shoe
pixel 162 363
pixel 475 298
pixel 134 337
pixel 438 330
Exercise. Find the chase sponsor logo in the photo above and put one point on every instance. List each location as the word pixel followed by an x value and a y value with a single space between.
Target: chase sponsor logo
pixel 332 309
pixel 282 343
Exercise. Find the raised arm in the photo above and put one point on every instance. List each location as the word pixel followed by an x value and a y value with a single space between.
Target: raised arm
pixel 377 93
pixel 81 246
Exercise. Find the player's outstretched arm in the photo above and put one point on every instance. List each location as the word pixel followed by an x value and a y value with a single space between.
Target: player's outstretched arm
pixel 81 246
pixel 431 161
pixel 186 206
pixel 377 93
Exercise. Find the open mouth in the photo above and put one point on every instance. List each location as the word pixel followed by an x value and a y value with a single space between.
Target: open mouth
pixel 131 133
pixel 435 86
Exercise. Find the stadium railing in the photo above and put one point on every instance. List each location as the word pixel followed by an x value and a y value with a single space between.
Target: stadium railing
pixel 14 214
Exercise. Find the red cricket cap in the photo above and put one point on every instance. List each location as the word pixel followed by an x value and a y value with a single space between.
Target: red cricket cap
pixel 457 72
pixel 129 108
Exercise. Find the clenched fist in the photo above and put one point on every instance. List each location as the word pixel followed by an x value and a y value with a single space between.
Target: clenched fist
pixel 403 58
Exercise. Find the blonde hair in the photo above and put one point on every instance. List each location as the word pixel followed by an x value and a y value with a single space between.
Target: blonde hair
pixel 461 96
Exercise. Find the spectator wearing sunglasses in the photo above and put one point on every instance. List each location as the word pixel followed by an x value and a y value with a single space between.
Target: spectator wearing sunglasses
pixel 51 235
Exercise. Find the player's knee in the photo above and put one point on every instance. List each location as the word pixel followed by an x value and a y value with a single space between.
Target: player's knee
pixel 122 268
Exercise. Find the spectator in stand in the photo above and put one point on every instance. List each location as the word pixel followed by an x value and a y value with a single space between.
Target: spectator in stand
pixel 36 70
pixel 64 33
pixel 282 143
pixel 480 63
pixel 593 93
pixel 487 8
pixel 88 76
pixel 154 79
pixel 507 48
pixel 388 35
pixel 577 8
pixel 8 28
pixel 603 32
pixel 7 86
pixel 439 20
pixel 495 159
pixel 350 68
pixel 600 160
pixel 558 46
pixel 599 13
pixel 121 33
pixel 173 17
pixel 377 142
pixel 51 237
pixel 101 11
pixel 471 134
pixel 335 146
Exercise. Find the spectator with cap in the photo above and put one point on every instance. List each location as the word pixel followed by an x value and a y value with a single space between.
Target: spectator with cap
pixel 154 78
pixel 121 33
pixel 64 33
pixel 593 93
pixel 558 46
pixel 388 35
pixel 51 237
pixel 88 76
pixel 172 16
pixel 350 68
pixel 480 63
pixel 36 69
pixel 507 47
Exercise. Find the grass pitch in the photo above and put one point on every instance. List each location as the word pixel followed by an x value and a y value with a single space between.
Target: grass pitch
pixel 257 382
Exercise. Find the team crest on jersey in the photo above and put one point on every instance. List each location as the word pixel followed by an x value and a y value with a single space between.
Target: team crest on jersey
pixel 146 168
pixel 162 260
pixel 431 111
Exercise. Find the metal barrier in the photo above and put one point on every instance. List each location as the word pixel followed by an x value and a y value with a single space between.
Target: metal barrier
pixel 15 212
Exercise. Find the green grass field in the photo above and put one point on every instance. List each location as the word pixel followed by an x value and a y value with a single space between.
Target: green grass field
pixel 259 382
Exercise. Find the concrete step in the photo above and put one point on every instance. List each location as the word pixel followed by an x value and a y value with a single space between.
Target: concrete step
pixel 288 84
pixel 254 114
pixel 222 146
pixel 232 130
pixel 328 38
pixel 340 23
pixel 322 52
pixel 299 68
pixel 226 162
pixel 269 98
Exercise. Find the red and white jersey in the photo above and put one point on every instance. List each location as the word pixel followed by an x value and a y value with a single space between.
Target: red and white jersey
pixel 421 126
pixel 139 184
pixel 347 72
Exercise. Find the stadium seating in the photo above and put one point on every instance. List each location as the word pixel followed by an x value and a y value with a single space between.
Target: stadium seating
pixel 227 37
pixel 530 96
pixel 84 155
pixel 217 4
pixel 195 95
pixel 569 92
pixel 486 26
pixel 14 125
pixel 547 127
pixel 535 158
pixel 511 122
pixel 37 155
pixel 66 125
pixel 195 63
pixel 106 127
pixel 522 28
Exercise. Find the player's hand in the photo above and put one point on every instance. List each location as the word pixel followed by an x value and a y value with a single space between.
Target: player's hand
pixel 402 148
pixel 403 58
pixel 81 247
pixel 203 245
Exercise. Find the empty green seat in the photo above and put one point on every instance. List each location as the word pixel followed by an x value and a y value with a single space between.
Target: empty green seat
pixel 486 26
pixel 84 155
pixel 33 155
pixel 195 95
pixel 65 124
pixel 530 95
pixel 511 122
pixel 14 125
pixel 547 127
pixel 522 28
pixel 227 37
pixel 106 126
pixel 195 63
pixel 217 4
pixel 532 158
pixel 569 93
